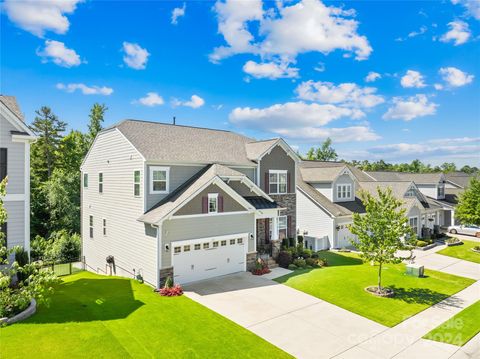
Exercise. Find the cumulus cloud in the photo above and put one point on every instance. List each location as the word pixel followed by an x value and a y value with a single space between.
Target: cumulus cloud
pixel 37 17
pixel 412 79
pixel 283 34
pixel 472 7
pixel 372 76
pixel 86 90
pixel 59 54
pixel 177 13
pixel 459 33
pixel 455 77
pixel 346 94
pixel 194 102
pixel 270 70
pixel 409 108
pixel 151 99
pixel 135 56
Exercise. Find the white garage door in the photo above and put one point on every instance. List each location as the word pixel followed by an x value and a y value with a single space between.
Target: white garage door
pixel 344 236
pixel 205 258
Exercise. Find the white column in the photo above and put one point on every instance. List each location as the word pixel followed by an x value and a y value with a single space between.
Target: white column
pixel 453 217
pixel 274 228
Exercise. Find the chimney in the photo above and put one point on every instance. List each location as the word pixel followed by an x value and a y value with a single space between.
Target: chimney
pixel 174 120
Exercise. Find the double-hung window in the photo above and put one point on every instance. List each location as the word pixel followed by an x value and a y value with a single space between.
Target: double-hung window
pixel 441 191
pixel 104 223
pixel 100 182
pixel 85 180
pixel 212 202
pixel 344 191
pixel 90 222
pixel 277 181
pixel 136 183
pixel 282 227
pixel 159 179
pixel 413 222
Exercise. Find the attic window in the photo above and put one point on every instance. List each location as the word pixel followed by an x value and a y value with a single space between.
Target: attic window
pixel 212 202
pixel 159 180
pixel 344 191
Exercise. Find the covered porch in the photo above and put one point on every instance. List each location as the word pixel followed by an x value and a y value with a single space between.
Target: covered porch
pixel 272 227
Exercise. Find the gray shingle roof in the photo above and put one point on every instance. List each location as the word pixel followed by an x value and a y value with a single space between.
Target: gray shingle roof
pixel 459 178
pixel 258 148
pixel 418 178
pixel 326 171
pixel 12 104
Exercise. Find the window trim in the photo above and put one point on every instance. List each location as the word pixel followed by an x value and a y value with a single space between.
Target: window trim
pixel 343 189
pixel 4 165
pixel 85 180
pixel 213 196
pixel 417 226
pixel 277 183
pixel 90 226
pixel 139 183
pixel 167 179
pixel 104 227
pixel 100 182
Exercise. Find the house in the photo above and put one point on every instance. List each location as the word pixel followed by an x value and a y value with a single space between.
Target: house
pixel 15 139
pixel 328 195
pixel 192 203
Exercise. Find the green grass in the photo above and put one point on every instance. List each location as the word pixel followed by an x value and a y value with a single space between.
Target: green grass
pixel 344 281
pixel 463 251
pixel 459 329
pixel 109 317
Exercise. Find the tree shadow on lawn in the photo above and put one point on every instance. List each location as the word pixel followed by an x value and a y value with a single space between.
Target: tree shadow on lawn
pixel 337 259
pixel 86 300
pixel 422 296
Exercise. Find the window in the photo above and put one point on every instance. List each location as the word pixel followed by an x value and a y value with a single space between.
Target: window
pixel 239 240
pixel 91 226
pixel 215 244
pixel 177 249
pixel 85 180
pixel 206 245
pixel 104 227
pixel 232 241
pixel 3 163
pixel 413 222
pixel 100 182
pixel 410 192
pixel 344 191
pixel 277 182
pixel 159 177
pixel 223 243
pixel 212 202
pixel 136 183
pixel 441 191
pixel 186 248
pixel 282 227
pixel 197 246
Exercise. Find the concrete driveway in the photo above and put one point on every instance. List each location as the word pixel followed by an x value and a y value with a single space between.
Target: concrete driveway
pixel 302 325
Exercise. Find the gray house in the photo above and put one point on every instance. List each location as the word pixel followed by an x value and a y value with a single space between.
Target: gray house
pixel 15 139
pixel 164 200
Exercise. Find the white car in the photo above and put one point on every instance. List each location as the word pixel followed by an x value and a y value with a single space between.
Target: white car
pixel 469 229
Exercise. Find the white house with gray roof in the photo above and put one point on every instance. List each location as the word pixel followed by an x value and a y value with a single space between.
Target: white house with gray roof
pixel 15 139
pixel 163 200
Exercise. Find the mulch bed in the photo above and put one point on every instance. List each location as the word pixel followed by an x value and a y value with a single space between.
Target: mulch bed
pixel 385 292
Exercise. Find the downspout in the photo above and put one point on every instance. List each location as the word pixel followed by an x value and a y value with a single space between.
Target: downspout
pixel 159 231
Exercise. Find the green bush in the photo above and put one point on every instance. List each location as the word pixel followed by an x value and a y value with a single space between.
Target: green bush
pixel 21 257
pixel 299 262
pixel 60 247
pixel 168 282
pixel 291 242
pixel 300 239
pixel 421 243
pixel 284 259
pixel 452 240
pixel 313 262
pixel 322 262
pixel 292 266
pixel 306 253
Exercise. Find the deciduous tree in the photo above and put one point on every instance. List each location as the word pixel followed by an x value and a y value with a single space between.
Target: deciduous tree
pixel 468 209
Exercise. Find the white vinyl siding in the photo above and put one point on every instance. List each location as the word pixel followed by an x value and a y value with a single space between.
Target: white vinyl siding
pixel 16 158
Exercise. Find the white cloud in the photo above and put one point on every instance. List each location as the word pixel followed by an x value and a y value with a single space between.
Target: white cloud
pixel 346 94
pixel 459 33
pixel 372 76
pixel 320 67
pixel 283 33
pixel 409 108
pixel 150 100
pixel 86 90
pixel 135 57
pixel 177 13
pixel 472 7
pixel 455 77
pixel 412 79
pixel 423 29
pixel 194 102
pixel 270 70
pixel 438 86
pixel 60 55
pixel 37 17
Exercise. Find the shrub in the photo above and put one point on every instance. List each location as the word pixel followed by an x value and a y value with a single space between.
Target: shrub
pixel 300 262
pixel 291 242
pixel 292 266
pixel 284 259
pixel 299 250
pixel 313 262
pixel 21 257
pixel 261 267
pixel 307 253
pixel 66 247
pixel 173 291
pixel 452 240
pixel 322 262
pixel 168 282
pixel 315 255
pixel 300 239
pixel 285 243
pixel 421 243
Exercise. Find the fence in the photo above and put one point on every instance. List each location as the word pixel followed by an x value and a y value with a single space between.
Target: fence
pixel 61 269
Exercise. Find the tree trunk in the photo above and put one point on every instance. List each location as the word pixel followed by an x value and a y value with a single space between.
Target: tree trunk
pixel 380 277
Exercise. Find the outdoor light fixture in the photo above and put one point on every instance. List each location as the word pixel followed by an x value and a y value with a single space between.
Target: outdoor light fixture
pixel 167 247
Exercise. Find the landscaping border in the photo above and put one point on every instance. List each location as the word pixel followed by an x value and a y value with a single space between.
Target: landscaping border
pixel 31 309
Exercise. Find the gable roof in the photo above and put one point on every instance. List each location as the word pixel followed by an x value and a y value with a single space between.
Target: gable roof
pixel 11 111
pixel 418 178
pixel 459 179
pixel 328 171
pixel 12 104
pixel 256 149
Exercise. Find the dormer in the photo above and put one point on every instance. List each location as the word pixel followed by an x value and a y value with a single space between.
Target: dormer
pixel 337 183
pixel 344 186
pixel 414 192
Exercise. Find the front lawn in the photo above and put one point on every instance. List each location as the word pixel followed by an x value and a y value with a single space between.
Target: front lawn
pixel 459 329
pixel 463 251
pixel 344 280
pixel 109 317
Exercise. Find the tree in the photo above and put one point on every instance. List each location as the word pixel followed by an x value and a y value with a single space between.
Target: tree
pixel 73 148
pixel 448 167
pixel 96 119
pixel 469 170
pixel 468 209
pixel 382 230
pixel 324 153
pixel 48 128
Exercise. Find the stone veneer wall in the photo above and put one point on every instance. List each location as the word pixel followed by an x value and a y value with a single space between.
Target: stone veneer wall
pixel 289 201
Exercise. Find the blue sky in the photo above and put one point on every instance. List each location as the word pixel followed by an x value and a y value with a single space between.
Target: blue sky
pixel 296 69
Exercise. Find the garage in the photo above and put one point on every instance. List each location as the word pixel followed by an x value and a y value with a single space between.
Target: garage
pixel 205 258
pixel 344 237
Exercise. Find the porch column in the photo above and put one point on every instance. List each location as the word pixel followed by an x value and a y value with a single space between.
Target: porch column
pixel 453 217
pixel 274 228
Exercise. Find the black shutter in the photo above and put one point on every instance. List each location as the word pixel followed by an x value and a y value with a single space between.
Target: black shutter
pixel 3 163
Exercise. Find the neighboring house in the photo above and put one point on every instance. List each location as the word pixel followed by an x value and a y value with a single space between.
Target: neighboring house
pixel 15 139
pixel 163 200
pixel 328 194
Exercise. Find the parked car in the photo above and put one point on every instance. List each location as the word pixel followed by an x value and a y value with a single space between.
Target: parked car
pixel 469 229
